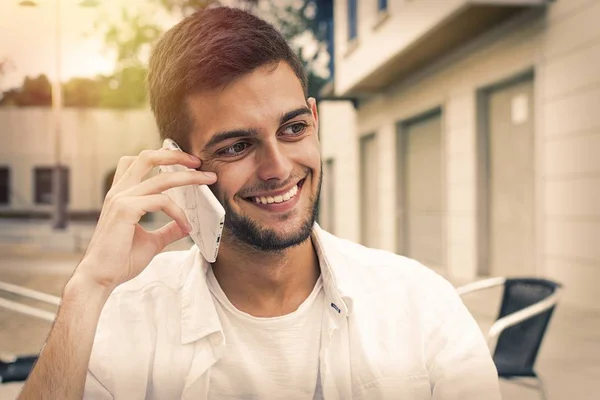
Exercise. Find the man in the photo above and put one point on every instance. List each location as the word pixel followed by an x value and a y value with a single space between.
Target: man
pixel 287 310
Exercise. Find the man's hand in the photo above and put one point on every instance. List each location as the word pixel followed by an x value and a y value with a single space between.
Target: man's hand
pixel 120 248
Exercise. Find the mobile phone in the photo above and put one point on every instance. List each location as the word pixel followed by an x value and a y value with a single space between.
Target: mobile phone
pixel 202 209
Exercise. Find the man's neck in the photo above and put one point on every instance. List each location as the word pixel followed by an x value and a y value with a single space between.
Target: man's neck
pixel 267 284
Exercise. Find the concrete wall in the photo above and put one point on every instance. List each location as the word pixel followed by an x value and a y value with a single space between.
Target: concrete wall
pixel 337 133
pixel 382 35
pixel 92 143
pixel 562 48
pixel 570 147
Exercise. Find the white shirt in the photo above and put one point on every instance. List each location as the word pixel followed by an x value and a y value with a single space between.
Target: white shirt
pixel 267 358
pixel 393 329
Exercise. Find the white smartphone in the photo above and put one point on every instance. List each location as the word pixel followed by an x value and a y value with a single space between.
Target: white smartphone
pixel 202 209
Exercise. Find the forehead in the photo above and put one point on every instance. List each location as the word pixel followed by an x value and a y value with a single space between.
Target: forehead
pixel 256 100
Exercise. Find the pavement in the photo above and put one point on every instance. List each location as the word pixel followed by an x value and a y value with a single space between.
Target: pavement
pixel 569 359
pixel 29 238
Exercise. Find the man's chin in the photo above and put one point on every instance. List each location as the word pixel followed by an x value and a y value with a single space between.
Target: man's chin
pixel 268 237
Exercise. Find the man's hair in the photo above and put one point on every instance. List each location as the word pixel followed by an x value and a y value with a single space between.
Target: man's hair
pixel 208 50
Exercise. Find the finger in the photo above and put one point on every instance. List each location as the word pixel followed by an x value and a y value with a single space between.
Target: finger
pixel 168 234
pixel 149 159
pixel 131 209
pixel 161 182
pixel 122 166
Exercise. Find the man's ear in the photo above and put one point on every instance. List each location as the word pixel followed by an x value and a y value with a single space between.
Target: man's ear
pixel 312 103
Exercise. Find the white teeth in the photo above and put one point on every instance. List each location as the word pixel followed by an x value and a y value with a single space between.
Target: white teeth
pixel 277 199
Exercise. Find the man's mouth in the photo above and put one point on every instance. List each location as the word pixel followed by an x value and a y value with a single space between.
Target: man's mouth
pixel 277 198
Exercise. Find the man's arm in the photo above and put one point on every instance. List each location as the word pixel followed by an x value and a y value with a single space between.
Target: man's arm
pixel 459 362
pixel 119 251
pixel 61 370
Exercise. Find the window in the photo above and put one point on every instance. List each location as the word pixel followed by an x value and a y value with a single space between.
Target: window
pixel 369 193
pixel 382 5
pixel 43 184
pixel 327 206
pixel 4 185
pixel 352 28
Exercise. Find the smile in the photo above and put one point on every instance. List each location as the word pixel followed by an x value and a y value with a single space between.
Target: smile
pixel 279 198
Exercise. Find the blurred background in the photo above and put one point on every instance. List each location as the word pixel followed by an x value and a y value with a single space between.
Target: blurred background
pixel 462 133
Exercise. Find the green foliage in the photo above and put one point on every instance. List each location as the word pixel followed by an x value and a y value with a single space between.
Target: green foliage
pixel 124 89
pixel 33 92
pixel 36 91
pixel 130 39
pixel 81 92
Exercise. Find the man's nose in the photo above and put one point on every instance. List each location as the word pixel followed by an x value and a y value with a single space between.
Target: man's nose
pixel 273 162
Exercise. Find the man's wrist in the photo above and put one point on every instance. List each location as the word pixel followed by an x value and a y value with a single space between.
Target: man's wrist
pixel 82 285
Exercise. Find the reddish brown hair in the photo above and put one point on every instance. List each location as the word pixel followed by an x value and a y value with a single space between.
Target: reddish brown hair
pixel 207 50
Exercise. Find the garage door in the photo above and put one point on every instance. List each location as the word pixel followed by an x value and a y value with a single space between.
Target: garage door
pixel 422 224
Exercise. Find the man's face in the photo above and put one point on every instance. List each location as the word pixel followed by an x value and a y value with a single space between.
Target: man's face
pixel 259 135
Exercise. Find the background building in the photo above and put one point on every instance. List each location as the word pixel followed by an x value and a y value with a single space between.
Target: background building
pixel 472 139
pixel 92 142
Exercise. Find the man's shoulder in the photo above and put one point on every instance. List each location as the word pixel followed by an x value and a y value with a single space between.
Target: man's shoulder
pixel 386 273
pixel 382 280
pixel 381 264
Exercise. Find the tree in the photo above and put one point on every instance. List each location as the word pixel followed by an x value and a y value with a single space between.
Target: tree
pixel 34 92
pixel 81 92
pixel 312 21
pixel 130 39
pixel 125 89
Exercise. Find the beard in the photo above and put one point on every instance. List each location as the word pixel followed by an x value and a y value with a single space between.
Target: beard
pixel 253 234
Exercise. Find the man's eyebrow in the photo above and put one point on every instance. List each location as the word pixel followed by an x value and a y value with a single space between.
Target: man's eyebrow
pixel 222 136
pixel 293 114
pixel 237 133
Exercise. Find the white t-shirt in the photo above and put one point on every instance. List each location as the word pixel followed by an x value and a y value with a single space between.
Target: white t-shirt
pixel 268 358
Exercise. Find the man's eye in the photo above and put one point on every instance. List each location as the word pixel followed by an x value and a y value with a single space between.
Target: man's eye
pixel 295 129
pixel 234 150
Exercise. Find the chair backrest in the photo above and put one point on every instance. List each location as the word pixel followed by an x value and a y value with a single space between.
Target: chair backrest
pixel 518 345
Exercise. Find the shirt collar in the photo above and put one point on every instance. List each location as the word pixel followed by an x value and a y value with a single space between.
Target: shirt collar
pixel 338 281
pixel 199 317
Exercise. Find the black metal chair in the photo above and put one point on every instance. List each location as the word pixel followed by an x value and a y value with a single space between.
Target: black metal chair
pixel 18 368
pixel 515 338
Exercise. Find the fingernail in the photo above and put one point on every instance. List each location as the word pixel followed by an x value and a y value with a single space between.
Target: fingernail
pixel 210 174
pixel 188 227
pixel 194 158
